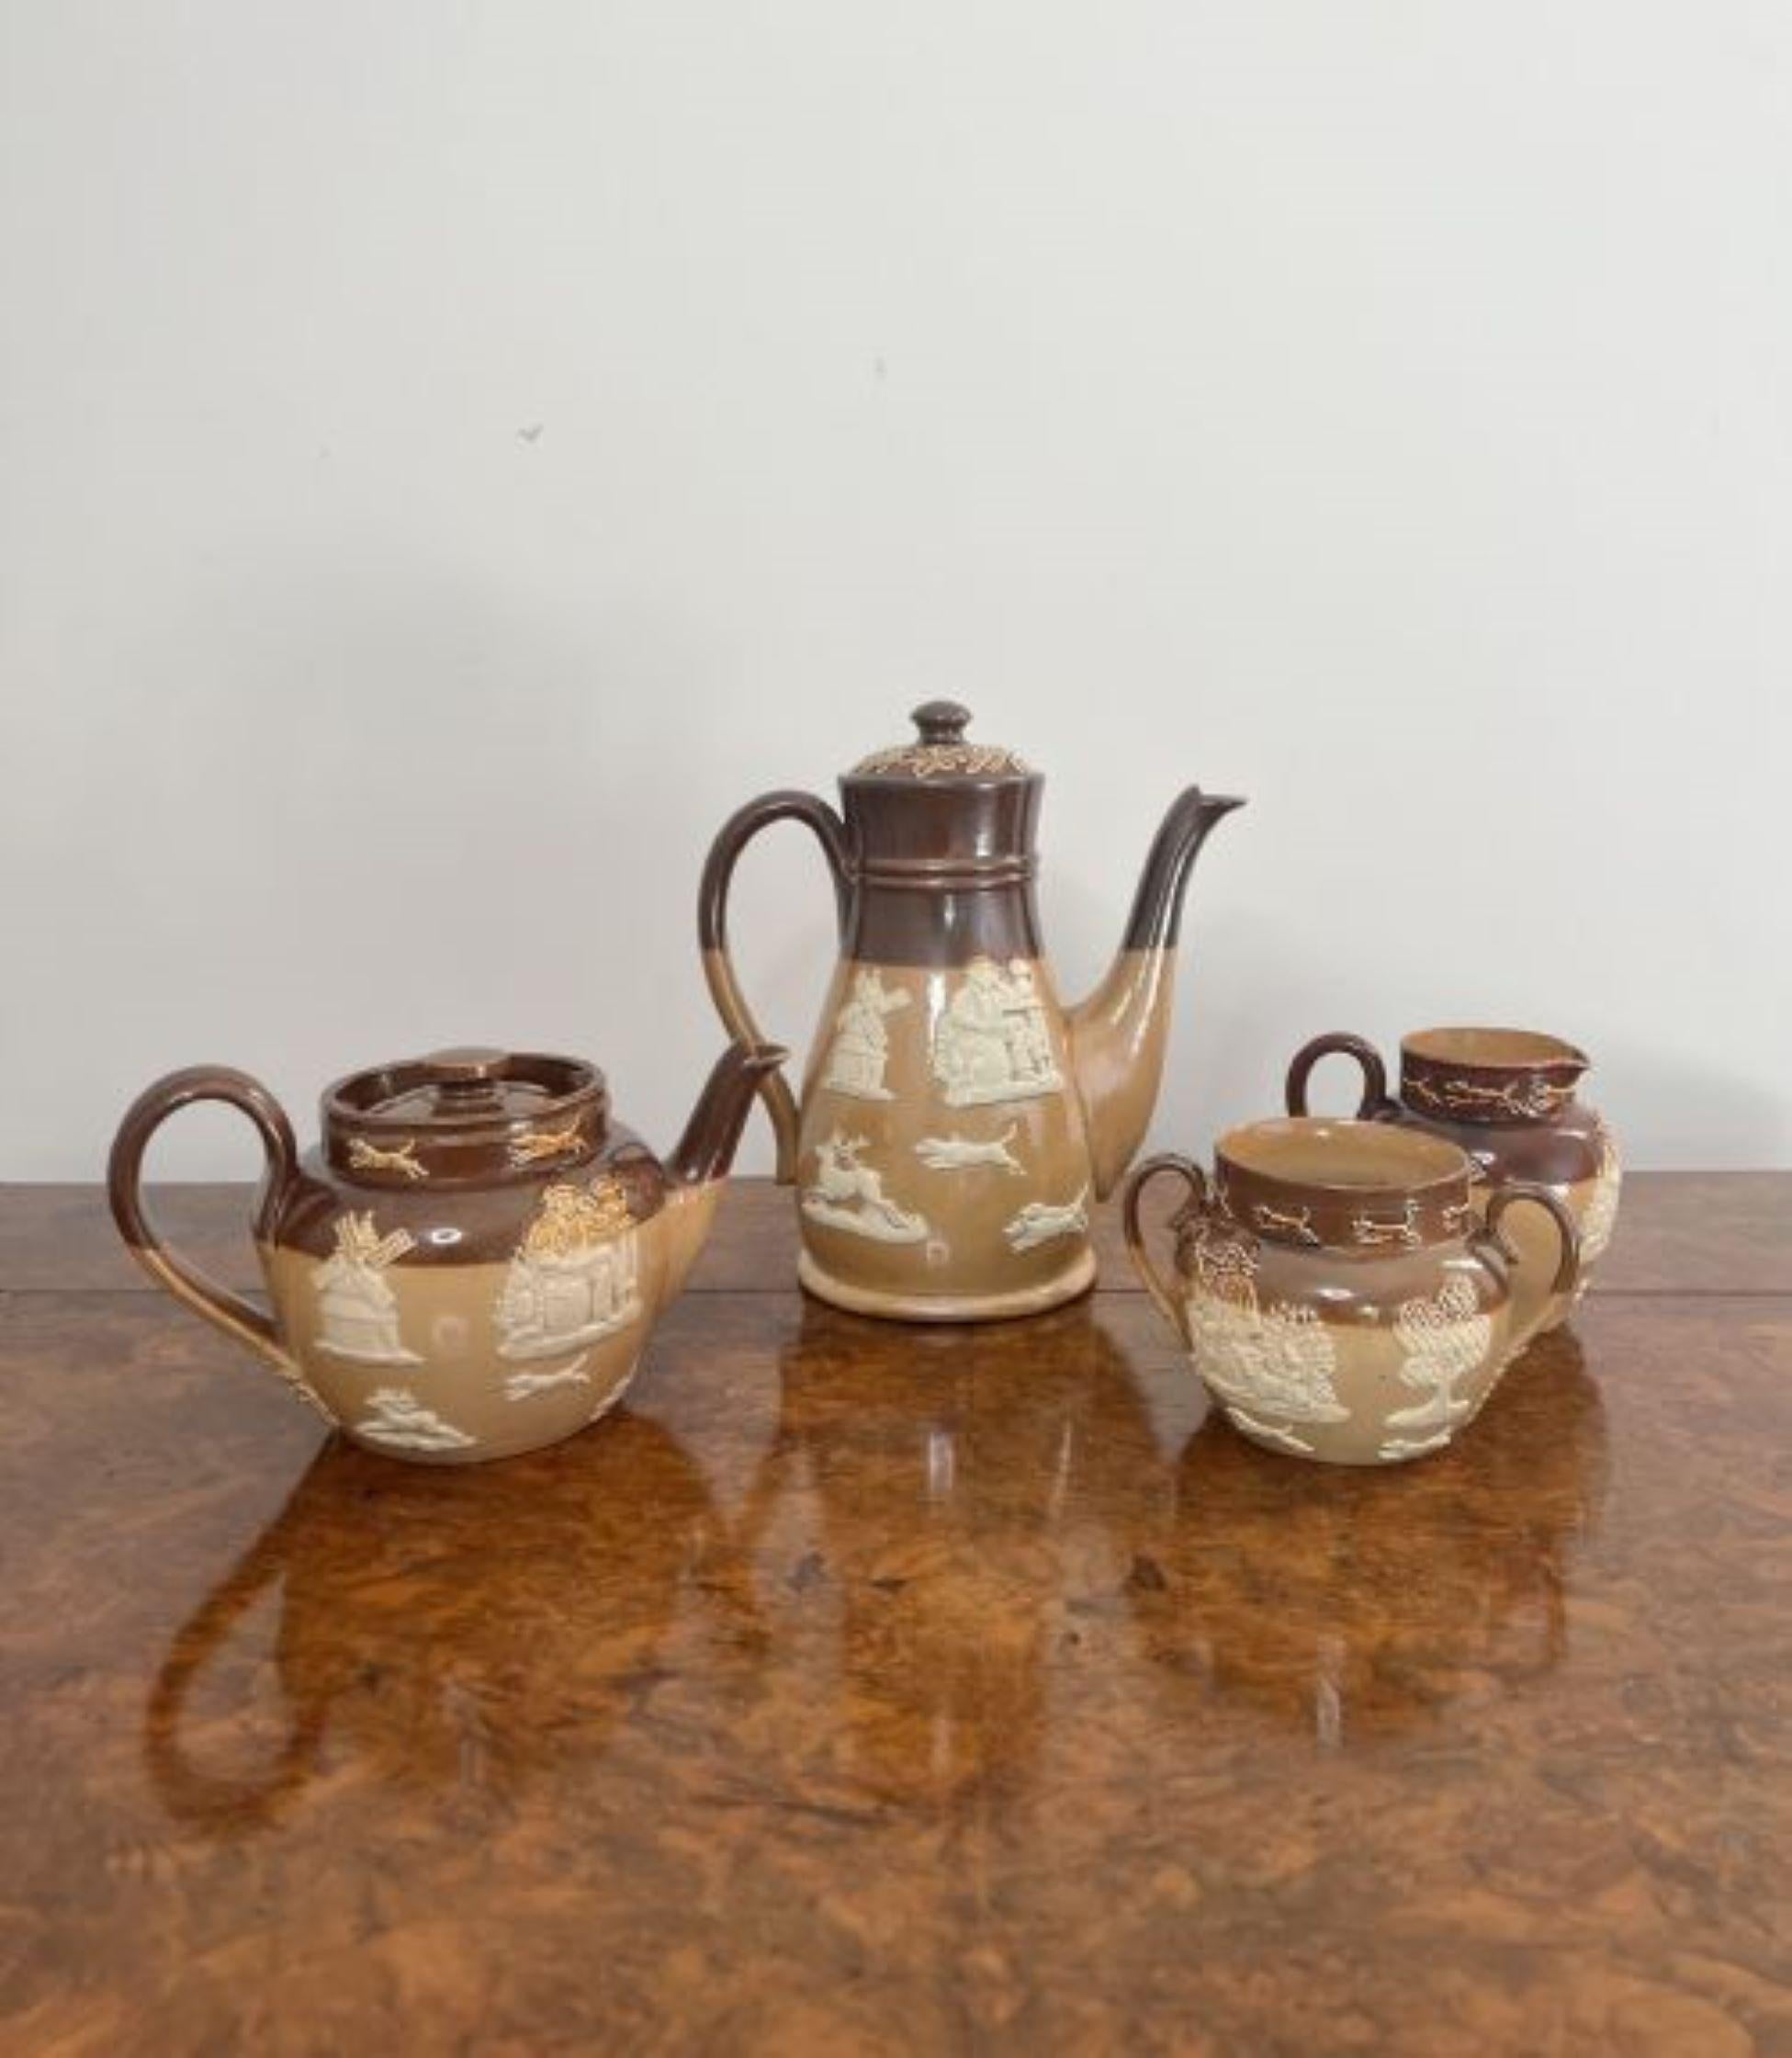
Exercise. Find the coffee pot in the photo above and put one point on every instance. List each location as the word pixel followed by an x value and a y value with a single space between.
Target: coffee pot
pixel 956 1121
pixel 468 1263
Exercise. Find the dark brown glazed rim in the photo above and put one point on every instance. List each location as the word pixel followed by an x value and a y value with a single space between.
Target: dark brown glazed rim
pixel 1423 1198
pixel 1489 1077
pixel 464 1118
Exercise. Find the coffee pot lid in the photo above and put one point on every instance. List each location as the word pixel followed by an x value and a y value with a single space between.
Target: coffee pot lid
pixel 466 1111
pixel 940 754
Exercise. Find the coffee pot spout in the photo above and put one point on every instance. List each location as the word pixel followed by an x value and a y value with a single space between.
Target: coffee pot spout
pixel 1119 1035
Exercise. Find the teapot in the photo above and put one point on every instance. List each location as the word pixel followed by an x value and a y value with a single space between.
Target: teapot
pixel 467 1264
pixel 956 1121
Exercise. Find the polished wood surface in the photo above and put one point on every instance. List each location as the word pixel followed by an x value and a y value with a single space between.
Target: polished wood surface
pixel 869 1689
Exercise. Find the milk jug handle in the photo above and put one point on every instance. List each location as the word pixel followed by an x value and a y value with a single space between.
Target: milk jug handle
pixel 1375 1105
pixel 736 833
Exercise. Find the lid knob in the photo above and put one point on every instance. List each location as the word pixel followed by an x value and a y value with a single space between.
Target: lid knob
pixel 942 721
pixel 468 1075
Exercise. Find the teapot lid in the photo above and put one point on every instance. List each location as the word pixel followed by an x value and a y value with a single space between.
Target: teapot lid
pixel 463 1114
pixel 940 754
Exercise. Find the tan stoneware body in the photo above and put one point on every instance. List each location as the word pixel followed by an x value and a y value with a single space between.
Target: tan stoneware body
pixel 957 1121
pixel 1507 1098
pixel 469 1262
pixel 1340 1295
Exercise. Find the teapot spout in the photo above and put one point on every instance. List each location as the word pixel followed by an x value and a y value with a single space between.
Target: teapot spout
pixel 698 1167
pixel 1120 1034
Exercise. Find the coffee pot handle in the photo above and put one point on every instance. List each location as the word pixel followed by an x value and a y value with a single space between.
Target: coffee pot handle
pixel 786 805
pixel 239 1318
pixel 1191 1175
pixel 1374 1106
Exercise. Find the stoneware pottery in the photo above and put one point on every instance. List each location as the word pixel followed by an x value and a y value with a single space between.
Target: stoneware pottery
pixel 1339 1293
pixel 957 1122
pixel 1507 1097
pixel 468 1265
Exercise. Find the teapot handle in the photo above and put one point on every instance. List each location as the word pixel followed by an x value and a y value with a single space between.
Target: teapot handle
pixel 238 1319
pixel 1374 1106
pixel 1490 1236
pixel 735 833
pixel 1141 1177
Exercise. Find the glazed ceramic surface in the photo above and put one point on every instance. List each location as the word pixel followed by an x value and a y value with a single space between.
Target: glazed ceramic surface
pixel 467 1264
pixel 957 1122
pixel 1507 1097
pixel 1340 1295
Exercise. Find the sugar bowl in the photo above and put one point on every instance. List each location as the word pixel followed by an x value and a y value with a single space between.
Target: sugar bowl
pixel 1340 1295
pixel 467 1264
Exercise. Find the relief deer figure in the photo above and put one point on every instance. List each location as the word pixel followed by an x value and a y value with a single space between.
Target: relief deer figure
pixel 841 1181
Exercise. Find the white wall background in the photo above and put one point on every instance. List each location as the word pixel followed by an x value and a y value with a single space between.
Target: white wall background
pixel 451 453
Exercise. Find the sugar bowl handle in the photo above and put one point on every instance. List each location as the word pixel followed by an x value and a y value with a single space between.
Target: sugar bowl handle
pixel 1490 1236
pixel 788 803
pixel 1374 1106
pixel 238 1319
pixel 1191 1175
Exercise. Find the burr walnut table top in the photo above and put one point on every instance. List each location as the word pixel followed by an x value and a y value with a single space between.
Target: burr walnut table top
pixel 863 1689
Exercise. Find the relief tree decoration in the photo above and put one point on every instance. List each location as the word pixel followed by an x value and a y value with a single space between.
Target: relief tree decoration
pixel 1447 1339
pixel 1601 1215
pixel 1279 1360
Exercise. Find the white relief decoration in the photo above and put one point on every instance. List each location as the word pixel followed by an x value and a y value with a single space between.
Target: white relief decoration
pixel 849 1195
pixel 956 1153
pixel 525 1385
pixel 365 1157
pixel 400 1419
pixel 1457 1218
pixel 357 1310
pixel 575 1277
pixel 538 1147
pixel 992 1042
pixel 1446 1337
pixel 1393 1447
pixel 1296 1223
pixel 1531 1099
pixel 860 1048
pixel 1280 1358
pixel 1041 1222
pixel 1271 1432
pixel 1601 1213
pixel 1368 1229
